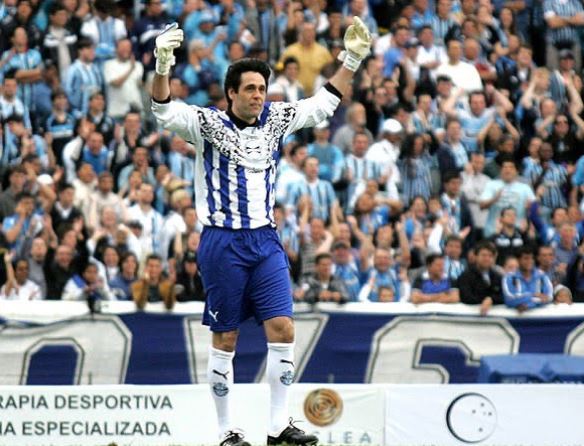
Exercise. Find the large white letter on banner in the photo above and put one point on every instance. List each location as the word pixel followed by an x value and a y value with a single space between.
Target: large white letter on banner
pixel 102 345
pixel 397 346
pixel 308 329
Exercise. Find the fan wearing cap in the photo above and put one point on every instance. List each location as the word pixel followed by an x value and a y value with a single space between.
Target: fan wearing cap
pixel 386 151
pixel 560 84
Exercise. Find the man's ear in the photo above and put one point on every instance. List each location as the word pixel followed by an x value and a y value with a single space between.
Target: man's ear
pixel 231 93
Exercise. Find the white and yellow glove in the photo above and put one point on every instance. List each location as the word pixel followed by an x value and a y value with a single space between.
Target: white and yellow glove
pixel 166 42
pixel 357 45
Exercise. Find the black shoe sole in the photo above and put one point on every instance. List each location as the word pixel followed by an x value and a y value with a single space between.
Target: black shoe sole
pixel 310 443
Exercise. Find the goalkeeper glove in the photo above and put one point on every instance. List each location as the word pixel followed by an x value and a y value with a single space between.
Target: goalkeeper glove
pixel 166 42
pixel 357 45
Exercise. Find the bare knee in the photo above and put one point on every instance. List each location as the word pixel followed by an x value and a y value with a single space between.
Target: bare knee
pixel 280 329
pixel 225 341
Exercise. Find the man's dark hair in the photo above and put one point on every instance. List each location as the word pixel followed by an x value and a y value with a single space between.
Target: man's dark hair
pixel 30 158
pixel 324 255
pixel 450 175
pixel 65 186
pixel 23 196
pixel 485 245
pixel 84 42
pixel 153 257
pixel 57 92
pixel 235 70
pixel 452 238
pixel 289 60
pixel 524 251
pixel 10 74
pixel 507 209
pixel 432 258
pixel 506 158
pixel 54 8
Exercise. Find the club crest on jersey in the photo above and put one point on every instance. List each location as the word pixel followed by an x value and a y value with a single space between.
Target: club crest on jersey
pixel 287 377
pixel 220 389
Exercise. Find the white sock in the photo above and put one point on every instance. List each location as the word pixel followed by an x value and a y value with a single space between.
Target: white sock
pixel 280 372
pixel 220 377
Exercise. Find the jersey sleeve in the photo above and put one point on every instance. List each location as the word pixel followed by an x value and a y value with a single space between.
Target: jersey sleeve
pixel 180 118
pixel 307 112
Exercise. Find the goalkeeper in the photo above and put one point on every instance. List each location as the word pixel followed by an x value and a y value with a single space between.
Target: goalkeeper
pixel 242 263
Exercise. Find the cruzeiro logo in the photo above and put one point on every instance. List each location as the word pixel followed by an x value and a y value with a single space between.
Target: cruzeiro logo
pixel 220 389
pixel 471 418
pixel 287 377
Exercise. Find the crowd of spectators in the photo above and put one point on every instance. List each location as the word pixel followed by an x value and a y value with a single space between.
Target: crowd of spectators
pixel 453 171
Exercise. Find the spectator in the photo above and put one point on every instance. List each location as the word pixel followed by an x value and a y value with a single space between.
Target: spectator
pixel 433 285
pixel 356 121
pixel 152 286
pixel 17 180
pixel 10 103
pixel 415 168
pixel 59 44
pixel 104 30
pixel 190 279
pixel 36 260
pixel 59 125
pixel 509 238
pixel 323 286
pixel 123 78
pixel 474 182
pixel 454 264
pixel 22 16
pixel 262 22
pixel 562 295
pixel 507 191
pixel 464 75
pixel 18 286
pixel 145 31
pixel 64 212
pixel 27 62
pixel 528 287
pixel 289 80
pixel 121 284
pixel 83 77
pixel 564 20
pixel 149 218
pixel 481 282
pixel 87 286
pixel 59 267
pixel 384 274
pixel 311 56
pixel 453 154
pixel 16 227
pixel 346 269
pixel 386 152
pixel 546 262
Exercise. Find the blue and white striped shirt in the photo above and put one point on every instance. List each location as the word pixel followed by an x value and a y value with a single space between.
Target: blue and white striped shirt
pixel 562 8
pixel 81 81
pixel 28 60
pixel 236 167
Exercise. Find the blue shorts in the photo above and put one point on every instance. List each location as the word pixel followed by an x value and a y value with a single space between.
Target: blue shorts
pixel 245 273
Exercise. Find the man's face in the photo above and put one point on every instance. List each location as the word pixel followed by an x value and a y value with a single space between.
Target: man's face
pixel 526 262
pixel 454 50
pixel 382 260
pixel 485 259
pixel 477 104
pixel 453 187
pixel 90 274
pixel 545 257
pixel 124 49
pixel 21 271
pixel 20 38
pixel 106 184
pixel 154 268
pixel 132 122
pixel 66 197
pixel 146 194
pixel 17 180
pixel 248 101
pixel 97 103
pixel 342 255
pixel 95 142
pixel 87 54
pixel 508 172
pixel 477 162
pixel 360 144
pixel 436 268
pixel 524 57
pixel 291 71
pixel 311 168
pixel 444 7
pixel 509 217
pixel 10 88
pixel 63 256
pixel 59 19
pixel 453 249
pixel 154 8
pixel 38 249
pixel 140 157
pixel 453 131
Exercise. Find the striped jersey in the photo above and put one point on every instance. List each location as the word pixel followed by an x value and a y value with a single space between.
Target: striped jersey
pixel 235 166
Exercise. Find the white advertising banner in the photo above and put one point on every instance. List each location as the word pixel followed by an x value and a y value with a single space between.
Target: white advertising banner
pixel 180 415
pixel 349 414
pixel 126 415
pixel 502 415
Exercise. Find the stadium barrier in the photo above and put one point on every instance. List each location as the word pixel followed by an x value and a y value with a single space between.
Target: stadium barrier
pixel 351 414
pixel 50 343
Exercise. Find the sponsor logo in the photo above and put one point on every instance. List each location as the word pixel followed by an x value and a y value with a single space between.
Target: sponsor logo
pixel 220 389
pixel 471 418
pixel 323 407
pixel 287 377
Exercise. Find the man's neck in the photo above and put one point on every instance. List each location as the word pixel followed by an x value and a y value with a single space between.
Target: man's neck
pixel 525 273
pixel 145 207
pixel 508 229
pixel 324 278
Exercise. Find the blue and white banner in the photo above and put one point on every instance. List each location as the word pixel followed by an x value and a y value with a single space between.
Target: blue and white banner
pixel 58 343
